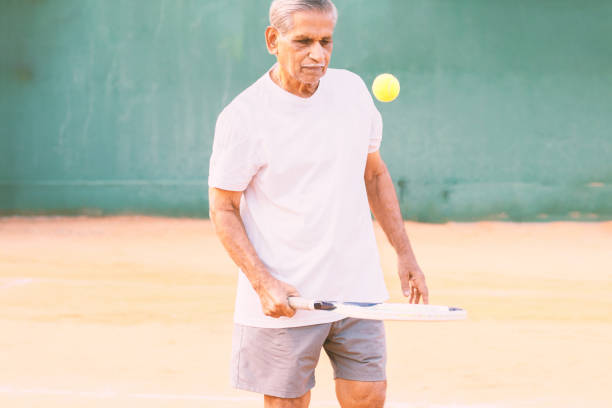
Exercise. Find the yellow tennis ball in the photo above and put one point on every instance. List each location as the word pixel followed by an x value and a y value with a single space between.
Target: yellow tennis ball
pixel 386 87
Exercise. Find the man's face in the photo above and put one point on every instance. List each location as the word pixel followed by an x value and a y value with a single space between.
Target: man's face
pixel 304 52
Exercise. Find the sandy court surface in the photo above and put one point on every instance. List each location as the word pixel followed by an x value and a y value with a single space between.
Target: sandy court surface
pixel 136 312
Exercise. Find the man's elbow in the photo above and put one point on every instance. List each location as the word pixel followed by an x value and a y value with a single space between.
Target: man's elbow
pixel 216 212
pixel 371 177
pixel 212 215
pixel 220 218
pixel 220 207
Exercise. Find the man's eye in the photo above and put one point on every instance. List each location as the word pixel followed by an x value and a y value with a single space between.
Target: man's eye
pixel 304 42
pixel 325 42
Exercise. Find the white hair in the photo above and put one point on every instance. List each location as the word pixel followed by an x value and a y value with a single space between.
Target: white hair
pixel 281 11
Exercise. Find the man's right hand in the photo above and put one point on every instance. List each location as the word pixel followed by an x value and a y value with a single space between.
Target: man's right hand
pixel 273 296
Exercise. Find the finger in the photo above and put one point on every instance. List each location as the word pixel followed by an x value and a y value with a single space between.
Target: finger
pixel 418 297
pixel 277 313
pixel 288 311
pixel 274 310
pixel 426 296
pixel 413 294
pixel 284 308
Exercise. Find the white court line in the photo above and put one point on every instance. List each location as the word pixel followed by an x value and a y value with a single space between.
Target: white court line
pixel 16 282
pixel 96 282
pixel 116 394
pixel 109 394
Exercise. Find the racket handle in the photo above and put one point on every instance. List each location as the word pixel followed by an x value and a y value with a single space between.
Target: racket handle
pixel 301 303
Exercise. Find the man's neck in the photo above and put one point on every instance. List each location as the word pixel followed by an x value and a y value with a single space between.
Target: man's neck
pixel 289 84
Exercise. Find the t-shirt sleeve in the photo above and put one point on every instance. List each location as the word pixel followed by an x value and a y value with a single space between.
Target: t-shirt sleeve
pixel 375 130
pixel 234 159
pixel 376 122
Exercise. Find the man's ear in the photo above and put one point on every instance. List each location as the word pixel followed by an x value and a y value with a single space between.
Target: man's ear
pixel 272 40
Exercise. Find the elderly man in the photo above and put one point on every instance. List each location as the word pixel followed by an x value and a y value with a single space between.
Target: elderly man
pixel 294 173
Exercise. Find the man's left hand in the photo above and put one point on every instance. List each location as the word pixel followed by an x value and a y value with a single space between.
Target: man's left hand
pixel 413 281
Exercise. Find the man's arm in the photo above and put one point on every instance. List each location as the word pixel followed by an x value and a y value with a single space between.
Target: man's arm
pixel 386 209
pixel 225 215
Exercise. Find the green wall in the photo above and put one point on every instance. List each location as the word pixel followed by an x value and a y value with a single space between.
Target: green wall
pixel 109 106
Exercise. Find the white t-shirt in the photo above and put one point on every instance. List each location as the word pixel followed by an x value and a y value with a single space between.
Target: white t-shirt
pixel 301 163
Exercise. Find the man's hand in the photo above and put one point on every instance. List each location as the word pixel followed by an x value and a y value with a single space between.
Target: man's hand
pixel 413 281
pixel 273 295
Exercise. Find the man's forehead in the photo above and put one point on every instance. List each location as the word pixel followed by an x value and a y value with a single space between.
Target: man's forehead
pixel 312 24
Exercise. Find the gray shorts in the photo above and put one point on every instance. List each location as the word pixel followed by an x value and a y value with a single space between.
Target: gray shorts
pixel 281 362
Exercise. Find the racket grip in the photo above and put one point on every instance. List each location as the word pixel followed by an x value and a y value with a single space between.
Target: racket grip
pixel 301 303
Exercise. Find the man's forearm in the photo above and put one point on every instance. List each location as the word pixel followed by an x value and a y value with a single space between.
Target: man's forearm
pixel 230 230
pixel 386 210
pixel 225 215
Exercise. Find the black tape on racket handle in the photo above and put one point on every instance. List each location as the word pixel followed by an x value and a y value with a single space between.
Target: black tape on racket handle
pixel 324 305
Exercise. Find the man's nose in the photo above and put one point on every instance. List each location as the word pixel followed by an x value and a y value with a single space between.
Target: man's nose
pixel 317 53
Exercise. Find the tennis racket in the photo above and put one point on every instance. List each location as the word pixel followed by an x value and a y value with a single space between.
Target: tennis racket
pixel 382 311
